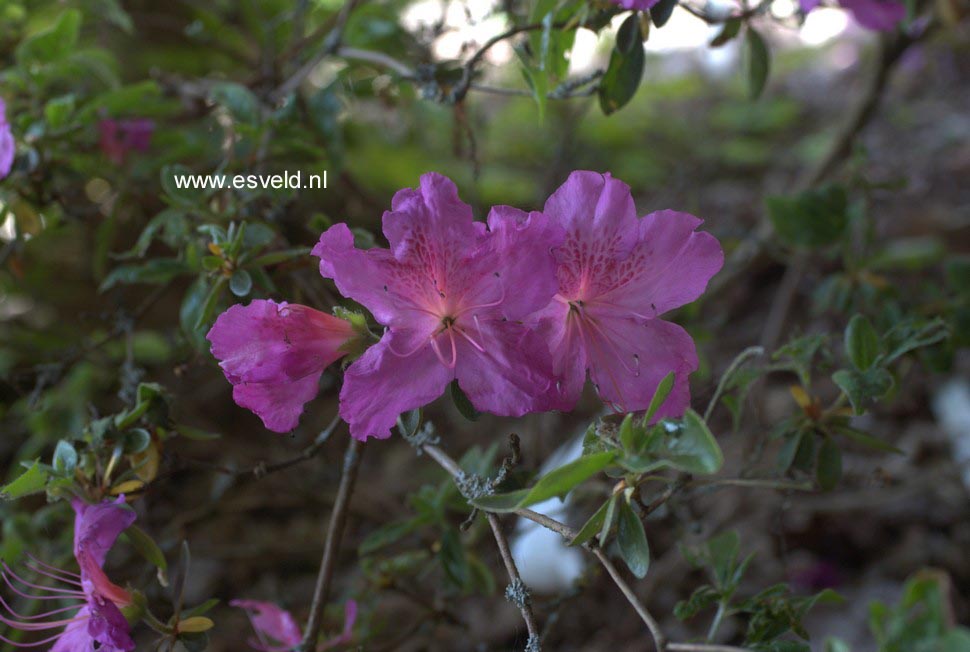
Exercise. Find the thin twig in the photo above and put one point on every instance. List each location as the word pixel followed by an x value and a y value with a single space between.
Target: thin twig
pixel 704 647
pixel 659 639
pixel 449 465
pixel 331 549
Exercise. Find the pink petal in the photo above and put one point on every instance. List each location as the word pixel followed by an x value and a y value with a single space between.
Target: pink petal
pixel 396 293
pixel 516 262
pixel 670 266
pixel 271 621
pixel 279 405
pixel 600 220
pixel 880 15
pixel 504 368
pixel 274 353
pixel 350 617
pixel 75 637
pixel 108 626
pixel 568 351
pixel 807 5
pixel 641 5
pixel 629 357
pixel 430 223
pixel 390 378
pixel 96 527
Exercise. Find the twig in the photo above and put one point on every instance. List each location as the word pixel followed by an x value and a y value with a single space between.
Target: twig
pixel 449 465
pixel 338 519
pixel 525 606
pixel 704 647
pixel 659 640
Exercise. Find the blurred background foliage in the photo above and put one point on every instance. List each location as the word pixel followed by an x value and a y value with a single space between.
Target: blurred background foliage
pixel 846 242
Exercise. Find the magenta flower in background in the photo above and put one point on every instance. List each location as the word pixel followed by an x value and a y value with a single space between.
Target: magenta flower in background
pixel 276 629
pixel 879 15
pixel 617 274
pixel 99 623
pixel 640 5
pixel 7 145
pixel 118 137
pixel 451 292
pixel 274 354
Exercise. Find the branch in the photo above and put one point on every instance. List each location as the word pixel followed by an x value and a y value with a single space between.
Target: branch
pixel 449 465
pixel 338 519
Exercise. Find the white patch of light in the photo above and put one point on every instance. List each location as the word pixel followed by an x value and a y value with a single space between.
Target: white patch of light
pixel 823 25
pixel 784 8
pixel 466 26
pixel 8 229
pixel 587 52
pixel 683 31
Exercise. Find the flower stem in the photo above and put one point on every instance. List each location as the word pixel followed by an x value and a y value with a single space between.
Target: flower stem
pixel 331 548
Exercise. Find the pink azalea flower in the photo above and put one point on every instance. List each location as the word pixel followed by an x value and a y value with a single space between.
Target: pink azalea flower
pixel 452 293
pixel 276 629
pixel 617 274
pixel 99 623
pixel 274 354
pixel 118 137
pixel 7 146
pixel 639 5
pixel 879 15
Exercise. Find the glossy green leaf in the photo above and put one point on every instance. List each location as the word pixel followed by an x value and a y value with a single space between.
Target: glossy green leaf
pixel 146 547
pixel 240 283
pixel 463 403
pixel 632 540
pixel 758 60
pixel 863 387
pixel 65 458
pixel 592 526
pixel 625 70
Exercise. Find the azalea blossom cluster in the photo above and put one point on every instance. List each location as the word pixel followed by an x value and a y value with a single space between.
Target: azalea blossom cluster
pixel 518 310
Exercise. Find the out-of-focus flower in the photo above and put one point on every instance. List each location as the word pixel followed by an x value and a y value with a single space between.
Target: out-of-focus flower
pixel 274 354
pixel 617 274
pixel 452 293
pixel 7 145
pixel 276 629
pixel 118 137
pixel 99 623
pixel 641 5
pixel 880 15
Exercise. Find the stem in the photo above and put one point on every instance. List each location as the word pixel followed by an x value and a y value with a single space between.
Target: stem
pixel 716 623
pixel 449 465
pixel 659 640
pixel 514 577
pixel 331 548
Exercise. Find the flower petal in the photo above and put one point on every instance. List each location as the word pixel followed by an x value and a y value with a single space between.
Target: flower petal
pixel 600 220
pixel 629 357
pixel 75 637
pixel 564 338
pixel 108 626
pixel 396 293
pixel 390 378
pixel 879 15
pixel 669 267
pixel 96 527
pixel 271 621
pixel 516 263
pixel 504 368
pixel 278 405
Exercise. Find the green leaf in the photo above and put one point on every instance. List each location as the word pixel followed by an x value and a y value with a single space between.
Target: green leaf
pixel 865 439
pixel 828 472
pixel 386 535
pixel 592 526
pixel 759 62
pixel 277 257
pixel 240 283
pixel 659 396
pixel 632 540
pixel 452 557
pixel 146 547
pixel 556 483
pixel 728 32
pixel 912 334
pixel 65 458
pixel 183 197
pixel 862 343
pixel 58 110
pixel 660 12
pixel 156 271
pixel 239 100
pixel 53 43
pixel 691 446
pixel 31 481
pixel 629 434
pixel 463 403
pixel 862 387
pixel 625 70
pixel 811 219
